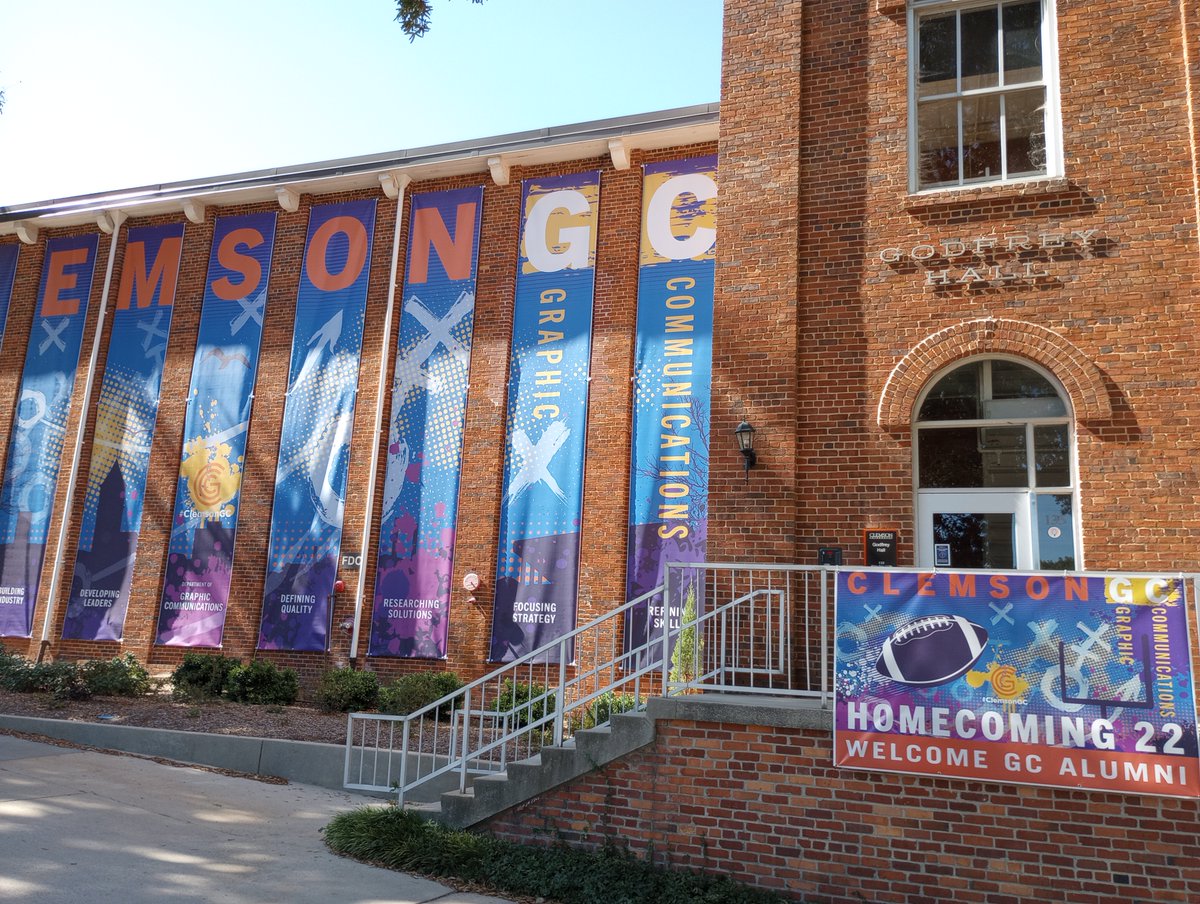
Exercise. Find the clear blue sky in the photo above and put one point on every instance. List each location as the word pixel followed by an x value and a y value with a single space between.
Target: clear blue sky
pixel 125 93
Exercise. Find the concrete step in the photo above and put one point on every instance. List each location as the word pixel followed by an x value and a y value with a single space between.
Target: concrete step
pixel 589 750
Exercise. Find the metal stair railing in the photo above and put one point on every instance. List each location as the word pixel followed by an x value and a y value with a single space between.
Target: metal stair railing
pixel 508 714
pixel 758 629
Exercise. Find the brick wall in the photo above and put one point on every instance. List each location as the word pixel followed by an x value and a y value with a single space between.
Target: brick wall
pixel 764 805
pixel 834 75
pixel 755 313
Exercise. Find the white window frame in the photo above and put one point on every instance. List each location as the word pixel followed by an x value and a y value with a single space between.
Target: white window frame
pixel 1054 155
pixel 1029 423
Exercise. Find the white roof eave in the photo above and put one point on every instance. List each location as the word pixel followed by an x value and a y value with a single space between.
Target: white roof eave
pixel 649 131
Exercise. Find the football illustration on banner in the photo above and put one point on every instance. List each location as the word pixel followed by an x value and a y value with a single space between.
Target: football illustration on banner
pixel 934 649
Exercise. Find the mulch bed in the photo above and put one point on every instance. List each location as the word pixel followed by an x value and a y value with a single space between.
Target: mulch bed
pixel 291 723
pixel 294 723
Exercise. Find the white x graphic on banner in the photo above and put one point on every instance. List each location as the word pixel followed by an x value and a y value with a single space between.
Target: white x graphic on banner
pixel 149 346
pixel 53 333
pixel 535 460
pixel 410 369
pixel 251 310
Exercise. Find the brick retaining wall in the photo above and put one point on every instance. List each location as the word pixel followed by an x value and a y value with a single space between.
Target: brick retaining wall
pixel 765 805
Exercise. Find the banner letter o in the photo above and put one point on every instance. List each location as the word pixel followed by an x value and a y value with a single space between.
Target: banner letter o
pixel 315 261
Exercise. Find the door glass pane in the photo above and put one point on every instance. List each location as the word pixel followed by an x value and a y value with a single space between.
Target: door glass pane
pixel 1022 43
pixel 1051 455
pixel 937 52
pixel 980 49
pixel 967 457
pixel 981 138
pixel 977 540
pixel 1055 532
pixel 938 130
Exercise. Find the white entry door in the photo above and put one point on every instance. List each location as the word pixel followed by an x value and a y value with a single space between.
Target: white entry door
pixel 975 529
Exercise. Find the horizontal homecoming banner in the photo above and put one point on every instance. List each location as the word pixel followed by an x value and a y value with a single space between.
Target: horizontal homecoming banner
pixel 1063 681
pixel 8 275
pixel 541 508
pixel 318 418
pixel 126 413
pixel 668 484
pixel 39 425
pixel 429 399
pixel 195 593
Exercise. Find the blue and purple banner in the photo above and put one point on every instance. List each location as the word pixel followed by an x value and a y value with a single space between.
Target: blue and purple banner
pixel 39 426
pixel 668 485
pixel 195 593
pixel 124 432
pixel 1067 681
pixel 411 614
pixel 8 275
pixel 318 418
pixel 541 509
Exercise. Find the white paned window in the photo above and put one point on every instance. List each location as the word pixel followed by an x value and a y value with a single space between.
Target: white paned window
pixel 983 93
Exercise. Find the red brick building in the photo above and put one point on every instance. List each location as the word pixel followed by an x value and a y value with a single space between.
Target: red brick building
pixel 633 141
pixel 956 276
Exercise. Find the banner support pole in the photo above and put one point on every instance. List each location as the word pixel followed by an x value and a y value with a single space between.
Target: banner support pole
pixel 397 183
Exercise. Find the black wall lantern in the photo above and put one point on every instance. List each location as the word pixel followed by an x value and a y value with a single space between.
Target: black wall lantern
pixel 745 438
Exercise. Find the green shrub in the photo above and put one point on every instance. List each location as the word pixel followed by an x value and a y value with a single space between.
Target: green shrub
pixel 600 710
pixel 70 683
pixel 400 839
pixel 523 701
pixel 122 676
pixel 43 677
pixel 202 676
pixel 348 690
pixel 12 668
pixel 408 693
pixel 263 682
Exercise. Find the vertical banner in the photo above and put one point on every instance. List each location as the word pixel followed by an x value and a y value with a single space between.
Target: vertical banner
pixel 314 445
pixel 39 426
pixel 668 484
pixel 429 399
pixel 1066 681
pixel 195 592
pixel 124 432
pixel 8 275
pixel 541 510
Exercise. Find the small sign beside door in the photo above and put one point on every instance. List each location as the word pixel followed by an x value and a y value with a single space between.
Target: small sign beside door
pixel 879 547
pixel 941 555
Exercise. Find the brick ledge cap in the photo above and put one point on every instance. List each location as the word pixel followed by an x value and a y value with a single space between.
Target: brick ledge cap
pixel 745 709
pixel 944 197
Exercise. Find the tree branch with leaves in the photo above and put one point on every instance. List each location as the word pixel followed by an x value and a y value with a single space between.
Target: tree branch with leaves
pixel 413 16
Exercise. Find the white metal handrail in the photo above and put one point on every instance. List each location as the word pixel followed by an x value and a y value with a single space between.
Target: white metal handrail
pixel 753 618
pixel 739 640
pixel 507 714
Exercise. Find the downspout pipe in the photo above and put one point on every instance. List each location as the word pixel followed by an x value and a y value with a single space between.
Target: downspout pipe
pixel 116 218
pixel 394 185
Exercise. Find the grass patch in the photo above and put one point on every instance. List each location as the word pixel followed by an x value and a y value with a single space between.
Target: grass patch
pixel 402 840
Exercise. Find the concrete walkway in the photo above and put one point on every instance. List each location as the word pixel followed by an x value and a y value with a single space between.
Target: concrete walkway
pixel 80 826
